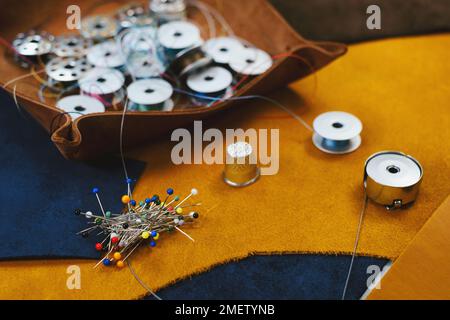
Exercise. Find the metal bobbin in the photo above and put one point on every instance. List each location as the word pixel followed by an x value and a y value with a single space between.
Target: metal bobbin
pixel 140 39
pixel 241 167
pixel 106 55
pixel 33 45
pixel 210 82
pixel 392 179
pixel 67 70
pixel 141 65
pixel 189 61
pixel 337 132
pixel 178 36
pixel 99 27
pixel 133 15
pixel 150 94
pixel 223 49
pixel 167 10
pixel 251 62
pixel 71 46
pixel 79 105
pixel 104 84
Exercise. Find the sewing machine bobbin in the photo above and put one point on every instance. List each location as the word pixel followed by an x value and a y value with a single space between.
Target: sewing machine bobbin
pixel 337 132
pixel 150 94
pixel 241 168
pixel 67 70
pixel 71 46
pixel 98 28
pixel 106 55
pixel 392 179
pixel 79 105
pixel 133 15
pixel 32 45
pixel 141 65
pixel 251 62
pixel 104 84
pixel 167 10
pixel 189 61
pixel 223 49
pixel 177 36
pixel 210 82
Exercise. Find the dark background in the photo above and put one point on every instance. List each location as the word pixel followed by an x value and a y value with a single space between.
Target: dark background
pixel 345 20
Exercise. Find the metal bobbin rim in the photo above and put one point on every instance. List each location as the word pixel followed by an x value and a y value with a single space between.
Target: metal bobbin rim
pixel 396 153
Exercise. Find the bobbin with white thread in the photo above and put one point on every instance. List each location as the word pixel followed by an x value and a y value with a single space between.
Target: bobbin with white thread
pixel 223 49
pixel 167 10
pixel 133 15
pixel 67 70
pixel 106 55
pixel 392 179
pixel 98 28
pixel 251 62
pixel 104 84
pixel 33 45
pixel 241 168
pixel 337 132
pixel 71 46
pixel 209 82
pixel 150 94
pixel 78 105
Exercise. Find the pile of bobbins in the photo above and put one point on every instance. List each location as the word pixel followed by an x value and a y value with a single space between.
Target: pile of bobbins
pixel 141 223
pixel 142 43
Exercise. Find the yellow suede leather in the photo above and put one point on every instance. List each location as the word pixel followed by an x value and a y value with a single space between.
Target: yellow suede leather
pixel 399 89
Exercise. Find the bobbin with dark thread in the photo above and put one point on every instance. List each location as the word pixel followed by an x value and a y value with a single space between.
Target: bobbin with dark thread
pixel 241 168
pixel 392 179
pixel 189 61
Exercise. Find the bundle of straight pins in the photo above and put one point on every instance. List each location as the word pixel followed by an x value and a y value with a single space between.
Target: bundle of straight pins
pixel 139 223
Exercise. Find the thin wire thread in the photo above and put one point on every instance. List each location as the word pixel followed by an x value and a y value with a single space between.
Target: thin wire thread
pixel 358 233
pixel 122 156
pixel 142 283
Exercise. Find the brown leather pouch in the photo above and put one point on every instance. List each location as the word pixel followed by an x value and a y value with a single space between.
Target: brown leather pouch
pixel 93 135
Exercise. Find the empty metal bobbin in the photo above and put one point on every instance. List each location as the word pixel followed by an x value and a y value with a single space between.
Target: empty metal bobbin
pixel 33 46
pixel 68 69
pixel 71 46
pixel 392 179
